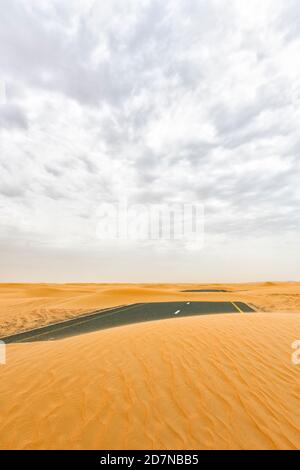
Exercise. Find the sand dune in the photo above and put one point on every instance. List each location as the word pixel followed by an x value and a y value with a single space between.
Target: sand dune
pixel 203 382
pixel 26 306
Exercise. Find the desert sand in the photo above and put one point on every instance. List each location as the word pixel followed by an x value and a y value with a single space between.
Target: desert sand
pixel 207 382
pixel 26 306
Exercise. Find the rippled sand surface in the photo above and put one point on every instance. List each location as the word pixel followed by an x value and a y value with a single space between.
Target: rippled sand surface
pixel 209 382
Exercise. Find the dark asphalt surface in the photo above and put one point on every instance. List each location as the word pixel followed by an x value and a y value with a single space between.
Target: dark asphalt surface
pixel 126 315
pixel 205 290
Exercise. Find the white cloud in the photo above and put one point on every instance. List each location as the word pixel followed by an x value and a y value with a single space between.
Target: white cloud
pixel 152 101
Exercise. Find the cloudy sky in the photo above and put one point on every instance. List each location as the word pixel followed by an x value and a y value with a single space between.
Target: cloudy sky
pixel 192 101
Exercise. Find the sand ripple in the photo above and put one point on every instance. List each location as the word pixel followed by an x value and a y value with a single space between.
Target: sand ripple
pixel 201 382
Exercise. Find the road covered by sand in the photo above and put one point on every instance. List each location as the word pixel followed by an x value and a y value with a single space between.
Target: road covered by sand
pixel 26 306
pixel 207 382
pixel 223 381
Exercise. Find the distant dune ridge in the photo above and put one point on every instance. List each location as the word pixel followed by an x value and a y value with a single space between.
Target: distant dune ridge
pixel 207 382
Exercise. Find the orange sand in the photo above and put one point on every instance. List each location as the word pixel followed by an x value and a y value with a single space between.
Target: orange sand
pixel 209 382
pixel 221 382
pixel 26 306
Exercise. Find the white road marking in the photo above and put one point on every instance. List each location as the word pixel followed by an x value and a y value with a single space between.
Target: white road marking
pixel 177 311
pixel 188 303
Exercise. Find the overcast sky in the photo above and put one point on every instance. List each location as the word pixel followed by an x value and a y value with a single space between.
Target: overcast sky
pixel 156 102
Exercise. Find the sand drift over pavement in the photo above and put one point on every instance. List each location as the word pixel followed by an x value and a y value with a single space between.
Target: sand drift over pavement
pixel 125 315
pixel 215 381
pixel 28 306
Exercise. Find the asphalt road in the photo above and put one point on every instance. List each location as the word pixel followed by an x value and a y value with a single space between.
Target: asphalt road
pixel 125 315
pixel 205 290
